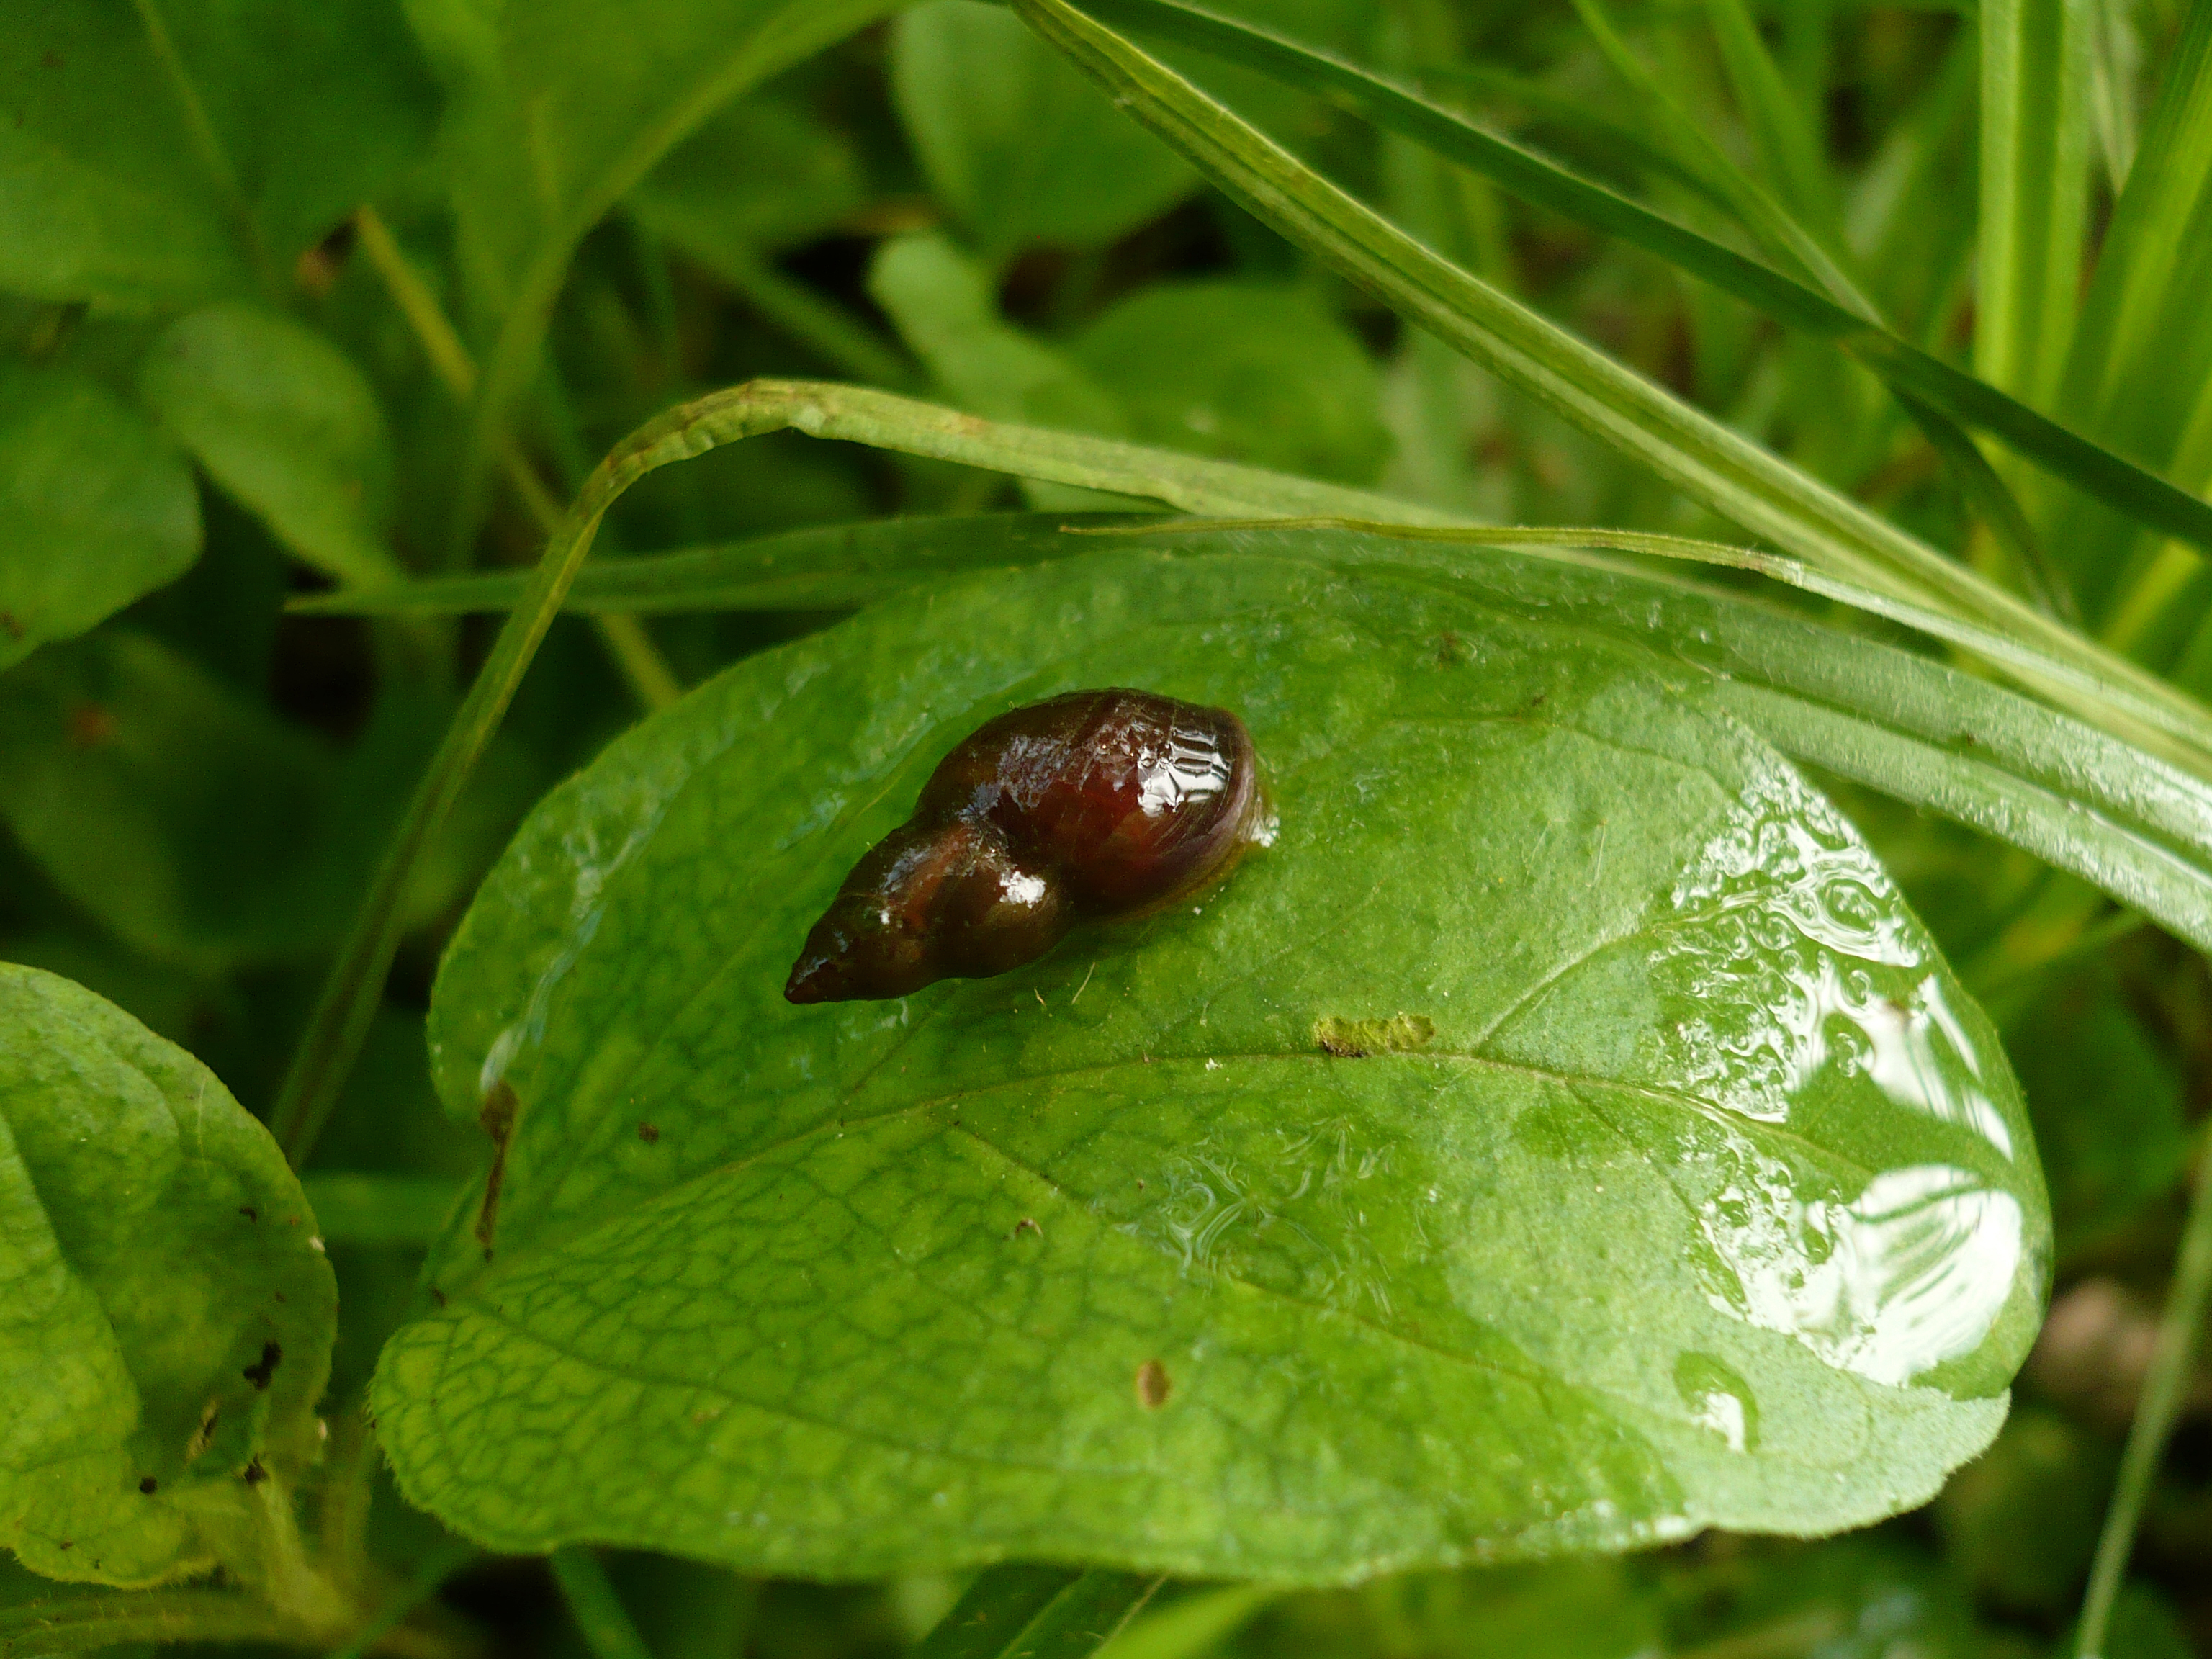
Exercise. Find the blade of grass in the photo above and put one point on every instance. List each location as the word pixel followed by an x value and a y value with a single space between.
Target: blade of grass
pixel 2128 487
pixel 1781 235
pixel 2035 195
pixel 841 338
pixel 1794 159
pixel 1786 143
pixel 2164 1384
pixel 2118 56
pixel 606 1625
pixel 1706 460
pixel 821 568
pixel 639 660
pixel 2139 373
pixel 1021 1612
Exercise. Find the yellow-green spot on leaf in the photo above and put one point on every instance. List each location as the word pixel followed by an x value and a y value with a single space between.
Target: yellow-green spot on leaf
pixel 1356 1039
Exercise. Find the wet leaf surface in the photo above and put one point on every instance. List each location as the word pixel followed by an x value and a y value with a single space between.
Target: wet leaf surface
pixel 1709 1200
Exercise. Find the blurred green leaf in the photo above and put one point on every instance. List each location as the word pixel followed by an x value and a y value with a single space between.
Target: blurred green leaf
pixel 1562 1610
pixel 98 509
pixel 1866 1597
pixel 944 304
pixel 763 174
pixel 1015 142
pixel 282 420
pixel 380 1209
pixel 158 153
pixel 2106 1104
pixel 171 1311
pixel 187 820
pixel 1247 371
pixel 1631 1249
pixel 2019 1523
pixel 559 108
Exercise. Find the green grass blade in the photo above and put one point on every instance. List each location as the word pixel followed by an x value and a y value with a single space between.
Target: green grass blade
pixel 1020 1611
pixel 606 1625
pixel 1755 209
pixel 2164 1388
pixel 1706 460
pixel 2035 190
pixel 2139 375
pixel 1787 143
pixel 821 568
pixel 2145 272
pixel 1534 178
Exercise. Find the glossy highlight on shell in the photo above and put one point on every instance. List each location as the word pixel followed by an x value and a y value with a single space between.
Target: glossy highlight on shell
pixel 1086 806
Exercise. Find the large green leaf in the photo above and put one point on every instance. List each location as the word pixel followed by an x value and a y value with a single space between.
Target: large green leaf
pixel 1681 1184
pixel 283 420
pixel 191 822
pixel 98 509
pixel 1016 144
pixel 160 153
pixel 169 1313
pixel 763 174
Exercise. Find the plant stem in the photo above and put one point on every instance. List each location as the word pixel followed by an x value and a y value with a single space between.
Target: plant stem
pixel 651 680
pixel 607 1628
pixel 2163 1385
pixel 1024 1611
pixel 342 1014
pixel 102 1620
pixel 410 1596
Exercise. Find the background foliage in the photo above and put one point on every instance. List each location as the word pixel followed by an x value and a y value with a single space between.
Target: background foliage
pixel 311 320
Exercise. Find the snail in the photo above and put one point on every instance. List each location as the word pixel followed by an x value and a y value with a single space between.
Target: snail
pixel 1090 805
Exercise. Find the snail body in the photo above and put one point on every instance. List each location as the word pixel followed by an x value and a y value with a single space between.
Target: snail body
pixel 1090 805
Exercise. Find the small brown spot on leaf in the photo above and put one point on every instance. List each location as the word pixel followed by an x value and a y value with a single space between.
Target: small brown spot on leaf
pixel 8 625
pixel 249 1212
pixel 1152 1385
pixel 149 1485
pixel 1027 1223
pixel 261 1371
pixel 253 1474
pixel 649 1132
pixel 50 59
pixel 500 1103
pixel 1451 650
pixel 89 726
pixel 437 1295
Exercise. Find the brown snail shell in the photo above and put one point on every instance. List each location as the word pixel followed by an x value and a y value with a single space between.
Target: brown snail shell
pixel 1089 805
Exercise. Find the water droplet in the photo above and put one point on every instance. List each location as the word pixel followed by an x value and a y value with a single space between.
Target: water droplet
pixel 1719 1399
pixel 1911 1272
